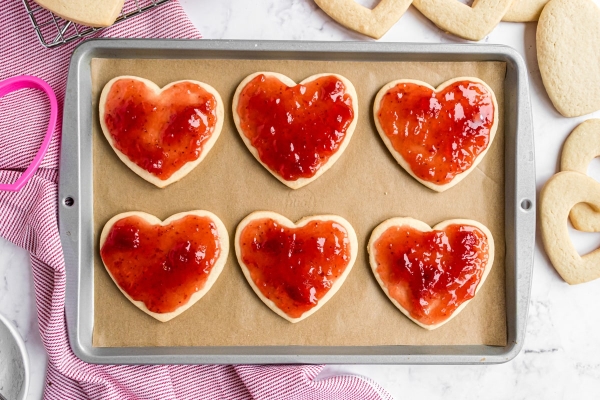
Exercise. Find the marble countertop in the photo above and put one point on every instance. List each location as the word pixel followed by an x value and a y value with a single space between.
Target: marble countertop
pixel 561 354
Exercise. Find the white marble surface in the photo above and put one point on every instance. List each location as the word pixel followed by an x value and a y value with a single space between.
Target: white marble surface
pixel 561 355
pixel 17 304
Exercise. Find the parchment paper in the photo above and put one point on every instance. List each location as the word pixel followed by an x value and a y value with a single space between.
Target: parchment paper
pixel 365 186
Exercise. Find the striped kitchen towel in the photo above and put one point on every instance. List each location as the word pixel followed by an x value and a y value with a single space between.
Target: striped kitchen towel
pixel 29 219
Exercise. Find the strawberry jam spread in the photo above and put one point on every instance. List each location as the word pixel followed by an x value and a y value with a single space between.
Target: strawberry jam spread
pixel 295 129
pixel 161 266
pixel 160 133
pixel 440 134
pixel 431 273
pixel 295 267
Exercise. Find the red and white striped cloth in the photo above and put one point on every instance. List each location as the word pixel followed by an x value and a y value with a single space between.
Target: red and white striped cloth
pixel 29 219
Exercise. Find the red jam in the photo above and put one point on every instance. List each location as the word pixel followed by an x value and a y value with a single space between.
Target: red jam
pixel 431 273
pixel 161 266
pixel 295 129
pixel 439 134
pixel 295 267
pixel 160 133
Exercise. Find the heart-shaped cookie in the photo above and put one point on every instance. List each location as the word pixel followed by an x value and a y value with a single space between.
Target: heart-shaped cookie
pixel 161 134
pixel 296 131
pixel 96 13
pixel 472 23
pixel 580 148
pixel 437 135
pixel 524 11
pixel 568 52
pixel 431 274
pixel 374 23
pixel 557 198
pixel 295 268
pixel 164 268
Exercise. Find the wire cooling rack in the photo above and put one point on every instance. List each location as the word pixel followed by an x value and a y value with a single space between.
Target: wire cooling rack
pixel 53 31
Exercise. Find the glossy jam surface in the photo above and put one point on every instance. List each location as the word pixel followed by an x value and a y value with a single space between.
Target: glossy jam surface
pixel 162 266
pixel 431 273
pixel 295 129
pixel 160 133
pixel 295 267
pixel 440 134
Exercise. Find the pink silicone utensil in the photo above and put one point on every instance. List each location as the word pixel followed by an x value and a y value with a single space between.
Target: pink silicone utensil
pixel 23 82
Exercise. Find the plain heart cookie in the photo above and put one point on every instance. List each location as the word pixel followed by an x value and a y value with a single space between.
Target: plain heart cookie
pixel 563 191
pixel 164 267
pixel 295 268
pixel 374 23
pixel 580 148
pixel 472 23
pixel 95 13
pixel 296 131
pixel 437 135
pixel 160 134
pixel 431 274
pixel 524 11
pixel 568 52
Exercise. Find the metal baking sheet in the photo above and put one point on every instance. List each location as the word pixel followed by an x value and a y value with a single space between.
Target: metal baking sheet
pixel 76 201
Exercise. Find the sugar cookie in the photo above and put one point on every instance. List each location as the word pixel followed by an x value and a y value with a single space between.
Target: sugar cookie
pixel 374 23
pixel 580 148
pixel 160 134
pixel 295 268
pixel 431 274
pixel 296 131
pixel 437 135
pixel 96 13
pixel 164 267
pixel 557 198
pixel 525 11
pixel 473 23
pixel 568 51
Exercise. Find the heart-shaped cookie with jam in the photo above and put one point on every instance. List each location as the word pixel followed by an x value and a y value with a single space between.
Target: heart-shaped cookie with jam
pixel 295 268
pixel 165 267
pixel 469 22
pixel 161 134
pixel 296 131
pixel 437 135
pixel 371 22
pixel 431 274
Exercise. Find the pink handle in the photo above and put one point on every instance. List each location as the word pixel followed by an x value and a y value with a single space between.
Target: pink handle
pixel 22 82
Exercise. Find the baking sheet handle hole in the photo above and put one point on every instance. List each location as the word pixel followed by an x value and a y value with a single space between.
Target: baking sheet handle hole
pixel 68 201
pixel 526 205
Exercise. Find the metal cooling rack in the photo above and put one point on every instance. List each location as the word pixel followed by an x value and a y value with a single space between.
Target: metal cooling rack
pixel 53 31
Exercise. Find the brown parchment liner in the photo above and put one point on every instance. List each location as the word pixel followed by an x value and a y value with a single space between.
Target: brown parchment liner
pixel 366 186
